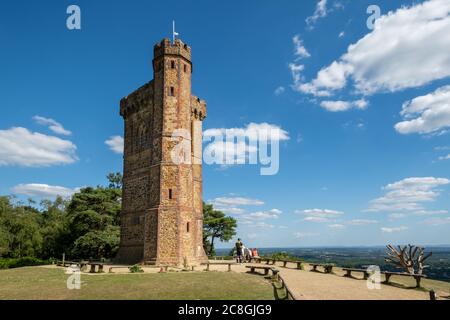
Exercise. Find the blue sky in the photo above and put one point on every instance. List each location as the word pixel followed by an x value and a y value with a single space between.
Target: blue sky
pixel 354 169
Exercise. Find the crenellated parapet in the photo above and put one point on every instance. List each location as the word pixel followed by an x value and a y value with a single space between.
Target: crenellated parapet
pixel 136 100
pixel 166 47
pixel 198 108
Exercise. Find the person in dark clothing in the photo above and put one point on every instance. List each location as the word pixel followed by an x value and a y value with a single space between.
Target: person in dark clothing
pixel 238 246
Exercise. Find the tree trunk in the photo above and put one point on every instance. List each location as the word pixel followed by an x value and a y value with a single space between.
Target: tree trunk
pixel 211 248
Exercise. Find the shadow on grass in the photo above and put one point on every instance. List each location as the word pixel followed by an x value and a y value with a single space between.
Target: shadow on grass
pixel 274 282
pixel 404 286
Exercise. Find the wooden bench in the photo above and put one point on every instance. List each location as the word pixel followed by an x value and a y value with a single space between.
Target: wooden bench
pixel 275 271
pixel 110 270
pixel 66 263
pixel 327 267
pixel 219 263
pixel 289 293
pixel 348 272
pixel 255 259
pixel 285 262
pixel 94 265
pixel 417 277
pixel 268 261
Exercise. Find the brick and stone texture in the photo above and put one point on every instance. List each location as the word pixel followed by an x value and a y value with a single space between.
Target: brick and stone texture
pixel 162 214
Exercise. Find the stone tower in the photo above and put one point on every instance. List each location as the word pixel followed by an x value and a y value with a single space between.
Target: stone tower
pixel 162 215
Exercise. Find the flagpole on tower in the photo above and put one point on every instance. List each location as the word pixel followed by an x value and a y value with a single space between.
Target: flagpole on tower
pixel 174 33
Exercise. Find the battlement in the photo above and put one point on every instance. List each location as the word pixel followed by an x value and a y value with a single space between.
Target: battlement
pixel 198 108
pixel 166 47
pixel 137 99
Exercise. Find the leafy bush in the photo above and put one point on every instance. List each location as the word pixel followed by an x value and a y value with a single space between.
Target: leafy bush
pixel 135 269
pixel 21 262
pixel 282 256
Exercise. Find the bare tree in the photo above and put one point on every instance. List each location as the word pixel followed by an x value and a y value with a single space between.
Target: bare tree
pixel 410 257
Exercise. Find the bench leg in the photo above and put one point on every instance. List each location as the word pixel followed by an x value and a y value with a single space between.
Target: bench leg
pixel 284 264
pixel 299 265
pixel 207 267
pixel 229 267
pixel 110 270
pixel 388 276
pixel 100 269
pixel 252 270
pixel 348 273
pixel 92 268
pixel 266 272
pixel 366 275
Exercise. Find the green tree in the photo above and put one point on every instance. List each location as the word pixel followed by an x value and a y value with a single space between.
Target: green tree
pixel 98 243
pixel 93 220
pixel 53 227
pixel 216 225
pixel 20 229
pixel 115 180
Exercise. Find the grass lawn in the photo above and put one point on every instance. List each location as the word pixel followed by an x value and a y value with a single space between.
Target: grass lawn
pixel 50 283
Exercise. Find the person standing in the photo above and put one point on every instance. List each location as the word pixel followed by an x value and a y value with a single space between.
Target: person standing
pixel 239 246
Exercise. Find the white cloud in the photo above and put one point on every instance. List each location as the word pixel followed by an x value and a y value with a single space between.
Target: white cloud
pixel 430 212
pixel 395 216
pixel 232 146
pixel 43 190
pixel 408 194
pixel 317 219
pixel 407 48
pixel 326 213
pixel 426 114
pixel 336 106
pixel 299 49
pixel 447 157
pixel 230 210
pixel 53 125
pixel 252 131
pixel 336 226
pixel 333 77
pixel 320 215
pixel 437 221
pixel 301 235
pixel 235 201
pixel 116 144
pixel 21 147
pixel 262 215
pixel 394 229
pixel 341 34
pixel 279 90
pixel 360 222
pixel 296 72
pixel 320 12
pixel 264 225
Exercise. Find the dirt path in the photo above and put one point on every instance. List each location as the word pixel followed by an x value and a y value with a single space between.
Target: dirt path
pixel 307 285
